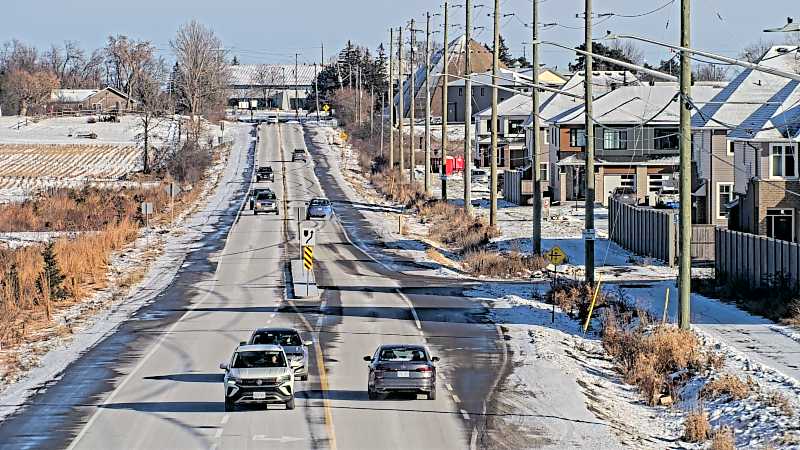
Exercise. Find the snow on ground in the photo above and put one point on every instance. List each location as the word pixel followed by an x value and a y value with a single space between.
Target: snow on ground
pixel 92 320
pixel 19 130
pixel 454 132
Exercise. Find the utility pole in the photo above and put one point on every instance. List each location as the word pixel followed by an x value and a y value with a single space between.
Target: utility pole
pixel 413 106
pixel 589 203
pixel 428 188
pixel 493 156
pixel 390 96
pixel 296 112
pixel 446 63
pixel 685 237
pixel 371 110
pixel 468 110
pixel 401 95
pixel 536 137
pixel 316 90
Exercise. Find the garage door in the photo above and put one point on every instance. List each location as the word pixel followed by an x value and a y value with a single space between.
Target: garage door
pixel 611 182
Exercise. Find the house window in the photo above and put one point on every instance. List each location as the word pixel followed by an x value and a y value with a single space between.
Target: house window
pixel 573 137
pixel 656 182
pixel 544 171
pixel 483 92
pixel 489 126
pixel 615 139
pixel 783 160
pixel 780 224
pixel 546 136
pixel 460 92
pixel 515 127
pixel 666 139
pixel 628 181
pixel 731 148
pixel 724 196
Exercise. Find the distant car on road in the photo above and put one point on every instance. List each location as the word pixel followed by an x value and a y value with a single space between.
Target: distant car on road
pixel 264 173
pixel 299 155
pixel 319 208
pixel 266 202
pixel 289 339
pixel 254 193
pixel 401 368
pixel 272 119
pixel 258 374
pixel 624 195
pixel 668 197
pixel 479 176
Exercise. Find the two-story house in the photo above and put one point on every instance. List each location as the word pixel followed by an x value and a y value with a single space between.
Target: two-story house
pixel 636 138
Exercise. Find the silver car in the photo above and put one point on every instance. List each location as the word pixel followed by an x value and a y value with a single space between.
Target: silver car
pixel 480 176
pixel 265 202
pixel 289 339
pixel 258 374
pixel 401 368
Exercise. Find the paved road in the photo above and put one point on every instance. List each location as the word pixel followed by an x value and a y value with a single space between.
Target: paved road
pixel 156 383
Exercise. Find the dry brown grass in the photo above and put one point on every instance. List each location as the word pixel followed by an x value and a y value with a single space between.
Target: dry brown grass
pixel 502 265
pixel 395 188
pixel 778 400
pixel 574 297
pixel 647 356
pixel 696 426
pixel 454 227
pixel 723 439
pixel 727 385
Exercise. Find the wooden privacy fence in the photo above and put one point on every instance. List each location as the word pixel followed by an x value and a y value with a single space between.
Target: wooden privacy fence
pixel 644 231
pixel 757 260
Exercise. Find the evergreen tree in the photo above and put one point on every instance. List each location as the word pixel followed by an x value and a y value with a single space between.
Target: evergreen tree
pixel 52 273
pixel 505 55
pixel 599 65
pixel 235 61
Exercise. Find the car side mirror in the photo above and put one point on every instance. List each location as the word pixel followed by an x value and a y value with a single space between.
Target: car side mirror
pixel 223 366
pixel 435 359
pixel 308 343
pixel 368 358
pixel 242 342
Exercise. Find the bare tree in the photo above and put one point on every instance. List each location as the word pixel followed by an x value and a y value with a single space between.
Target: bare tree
pixel 629 50
pixel 202 68
pixel 153 106
pixel 30 89
pixel 710 72
pixel 127 60
pixel 755 51
pixel 267 77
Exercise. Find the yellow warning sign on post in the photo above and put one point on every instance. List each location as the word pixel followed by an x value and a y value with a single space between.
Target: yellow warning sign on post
pixel 326 108
pixel 343 135
pixel 556 256
pixel 308 257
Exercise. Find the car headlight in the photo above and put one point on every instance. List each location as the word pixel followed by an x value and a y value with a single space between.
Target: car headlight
pixel 285 379
pixel 234 380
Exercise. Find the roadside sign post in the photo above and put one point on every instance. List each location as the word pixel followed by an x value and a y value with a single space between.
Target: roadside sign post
pixel 308 239
pixel 556 256
pixel 172 191
pixel 147 210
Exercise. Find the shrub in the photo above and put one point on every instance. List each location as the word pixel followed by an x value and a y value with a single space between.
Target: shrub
pixel 696 426
pixel 726 385
pixel 778 400
pixel 454 227
pixel 505 265
pixel 723 439
pixel 574 297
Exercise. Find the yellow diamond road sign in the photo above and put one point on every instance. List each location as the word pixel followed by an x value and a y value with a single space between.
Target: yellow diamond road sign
pixel 308 257
pixel 326 108
pixel 556 256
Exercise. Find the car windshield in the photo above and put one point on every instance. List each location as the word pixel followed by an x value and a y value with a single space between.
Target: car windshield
pixel 299 150
pixel 479 172
pixel 400 354
pixel 255 359
pixel 265 169
pixel 320 202
pixel 266 196
pixel 283 338
pixel 624 191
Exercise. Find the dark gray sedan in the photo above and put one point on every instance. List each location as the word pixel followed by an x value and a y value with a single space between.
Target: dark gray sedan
pixel 401 368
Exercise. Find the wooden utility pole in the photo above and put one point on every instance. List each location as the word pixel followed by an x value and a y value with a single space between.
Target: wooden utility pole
pixel 316 90
pixel 390 96
pixel 296 95
pixel 468 109
pixel 446 63
pixel 536 137
pixel 412 106
pixel 402 113
pixel 590 194
pixel 685 237
pixel 428 188
pixel 493 156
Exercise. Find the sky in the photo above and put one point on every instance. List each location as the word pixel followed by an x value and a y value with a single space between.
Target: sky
pixel 272 31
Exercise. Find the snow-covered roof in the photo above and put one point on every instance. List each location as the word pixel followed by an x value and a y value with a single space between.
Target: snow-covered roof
pixel 580 160
pixel 72 95
pixel 505 77
pixel 636 104
pixel 518 105
pixel 270 75
pixel 758 105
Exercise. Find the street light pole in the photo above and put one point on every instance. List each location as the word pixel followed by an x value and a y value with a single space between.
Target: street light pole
pixel 590 185
pixel 428 188
pixel 685 238
pixel 536 240
pixel 493 156
pixel 402 114
pixel 390 97
pixel 468 110
pixel 413 107
pixel 445 82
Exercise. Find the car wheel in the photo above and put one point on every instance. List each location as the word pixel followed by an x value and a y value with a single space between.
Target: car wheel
pixel 372 394
pixel 432 394
pixel 255 213
pixel 290 403
pixel 229 406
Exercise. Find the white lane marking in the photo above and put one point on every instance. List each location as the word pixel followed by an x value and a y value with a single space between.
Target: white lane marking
pixel 456 398
pixel 225 419
pixel 282 439
pixel 464 414
pixel 152 351
pixel 449 387
pixel 218 434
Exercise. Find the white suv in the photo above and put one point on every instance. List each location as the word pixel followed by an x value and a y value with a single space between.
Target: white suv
pixel 258 374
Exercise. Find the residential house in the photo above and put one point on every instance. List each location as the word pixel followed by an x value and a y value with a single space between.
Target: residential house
pixel 761 114
pixel 636 138
pixel 103 100
pixel 271 86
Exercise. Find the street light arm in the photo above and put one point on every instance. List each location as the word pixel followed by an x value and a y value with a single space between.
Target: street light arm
pixel 725 59
pixel 627 65
pixel 508 89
